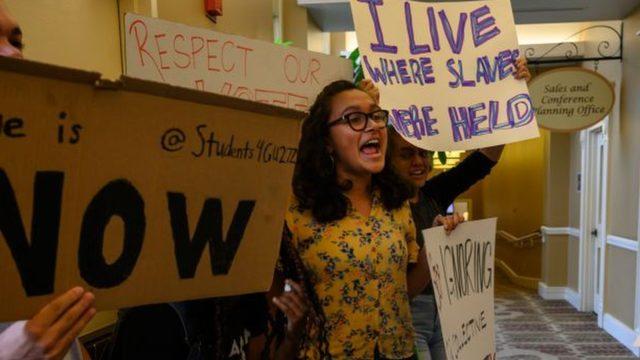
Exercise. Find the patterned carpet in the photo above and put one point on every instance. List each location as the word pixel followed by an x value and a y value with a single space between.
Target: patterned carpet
pixel 530 328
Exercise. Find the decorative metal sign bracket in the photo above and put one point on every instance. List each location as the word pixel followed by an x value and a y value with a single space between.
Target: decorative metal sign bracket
pixel 607 49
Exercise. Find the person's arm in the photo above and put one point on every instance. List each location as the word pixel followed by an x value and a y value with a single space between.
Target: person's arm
pixel 292 302
pixel 449 222
pixel 493 153
pixel 418 268
pixel 445 187
pixel 52 331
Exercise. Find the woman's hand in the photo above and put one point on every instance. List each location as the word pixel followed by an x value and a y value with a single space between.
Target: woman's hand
pixel 449 222
pixel 370 88
pixel 293 303
pixel 56 326
pixel 522 71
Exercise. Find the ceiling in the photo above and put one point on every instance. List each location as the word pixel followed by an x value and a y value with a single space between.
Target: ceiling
pixel 335 15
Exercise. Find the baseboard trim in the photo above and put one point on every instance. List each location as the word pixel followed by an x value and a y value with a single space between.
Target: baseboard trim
pixel 559 293
pixel 621 332
pixel 573 297
pixel 551 292
pixel 524 281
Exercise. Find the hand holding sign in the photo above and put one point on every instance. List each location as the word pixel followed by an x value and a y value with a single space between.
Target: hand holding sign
pixel 449 222
pixel 446 74
pixel 57 325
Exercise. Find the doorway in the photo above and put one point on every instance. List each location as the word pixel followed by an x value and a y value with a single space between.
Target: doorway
pixel 593 230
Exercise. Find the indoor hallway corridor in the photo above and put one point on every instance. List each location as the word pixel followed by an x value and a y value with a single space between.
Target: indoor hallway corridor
pixel 530 328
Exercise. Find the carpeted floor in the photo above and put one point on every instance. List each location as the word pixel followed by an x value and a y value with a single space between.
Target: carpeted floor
pixel 530 328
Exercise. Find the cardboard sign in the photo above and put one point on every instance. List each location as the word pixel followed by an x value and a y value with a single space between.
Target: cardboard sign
pixel 140 198
pixel 462 270
pixel 445 71
pixel 570 99
pixel 211 61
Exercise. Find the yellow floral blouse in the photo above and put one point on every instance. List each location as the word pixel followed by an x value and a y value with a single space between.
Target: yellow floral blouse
pixel 358 266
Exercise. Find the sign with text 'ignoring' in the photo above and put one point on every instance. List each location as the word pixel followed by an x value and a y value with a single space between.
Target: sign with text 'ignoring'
pixel 445 71
pixel 463 272
pixel 231 65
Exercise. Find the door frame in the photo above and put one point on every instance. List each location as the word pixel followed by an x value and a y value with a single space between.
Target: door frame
pixel 637 299
pixel 585 274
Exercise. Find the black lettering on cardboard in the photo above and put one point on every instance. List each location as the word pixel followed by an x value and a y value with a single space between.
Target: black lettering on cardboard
pixel 35 260
pixel 188 251
pixel 117 198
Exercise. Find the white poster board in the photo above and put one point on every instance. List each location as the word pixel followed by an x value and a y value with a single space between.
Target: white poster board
pixel 445 71
pixel 462 270
pixel 231 65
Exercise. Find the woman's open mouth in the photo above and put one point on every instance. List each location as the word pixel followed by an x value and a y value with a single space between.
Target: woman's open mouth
pixel 371 148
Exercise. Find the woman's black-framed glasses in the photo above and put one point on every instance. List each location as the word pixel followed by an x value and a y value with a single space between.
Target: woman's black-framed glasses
pixel 358 120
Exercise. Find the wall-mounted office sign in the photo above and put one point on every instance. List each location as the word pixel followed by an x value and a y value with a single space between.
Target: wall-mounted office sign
pixel 571 98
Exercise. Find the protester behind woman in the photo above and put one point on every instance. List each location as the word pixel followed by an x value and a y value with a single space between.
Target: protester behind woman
pixel 52 332
pixel 429 205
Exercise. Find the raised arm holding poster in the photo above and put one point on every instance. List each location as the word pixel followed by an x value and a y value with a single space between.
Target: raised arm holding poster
pixel 462 271
pixel 445 71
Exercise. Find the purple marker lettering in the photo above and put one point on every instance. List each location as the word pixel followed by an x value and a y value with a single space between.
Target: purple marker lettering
pixel 454 72
pixel 457 42
pixel 475 120
pixel 400 121
pixel 389 67
pixel 494 110
pixel 428 121
pixel 402 69
pixel 485 72
pixel 380 46
pixel 433 29
pixel 459 119
pixel 414 65
pixel 413 48
pixel 520 110
pixel 458 75
pixel 504 63
pixel 427 70
pixel 419 130
pixel 375 73
pixel 480 27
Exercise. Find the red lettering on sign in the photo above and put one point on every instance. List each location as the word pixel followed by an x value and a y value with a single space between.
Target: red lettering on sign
pixel 161 53
pixel 184 54
pixel 209 56
pixel 246 51
pixel 141 43
pixel 294 73
pixel 195 50
pixel 224 51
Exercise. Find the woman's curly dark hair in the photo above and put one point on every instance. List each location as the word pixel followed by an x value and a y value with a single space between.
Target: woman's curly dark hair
pixel 315 183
